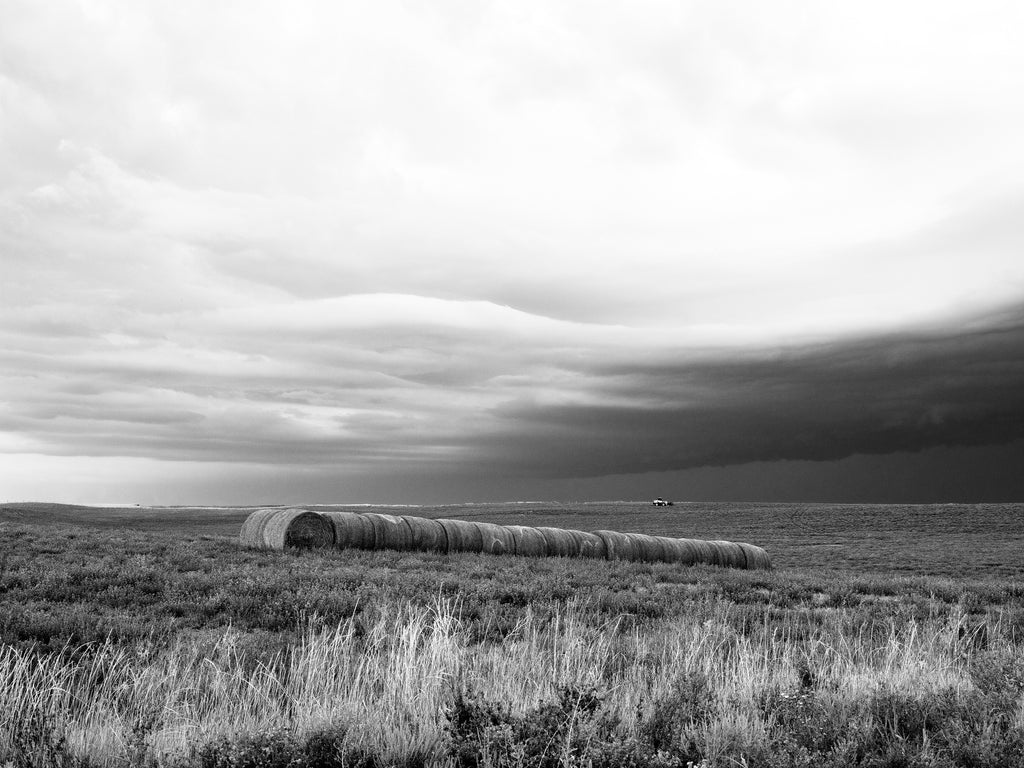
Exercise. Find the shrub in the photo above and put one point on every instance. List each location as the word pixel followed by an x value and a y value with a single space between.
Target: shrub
pixel 36 740
pixel 324 748
pixel 574 730
pixel 669 729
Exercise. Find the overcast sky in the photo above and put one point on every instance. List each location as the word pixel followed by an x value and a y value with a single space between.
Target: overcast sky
pixel 260 252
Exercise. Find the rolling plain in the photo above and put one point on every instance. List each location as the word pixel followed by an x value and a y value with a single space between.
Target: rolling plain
pixel 885 636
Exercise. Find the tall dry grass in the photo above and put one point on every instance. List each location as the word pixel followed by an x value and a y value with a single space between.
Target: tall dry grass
pixel 389 685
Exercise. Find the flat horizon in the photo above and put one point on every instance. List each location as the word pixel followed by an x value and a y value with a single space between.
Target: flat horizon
pixel 509 502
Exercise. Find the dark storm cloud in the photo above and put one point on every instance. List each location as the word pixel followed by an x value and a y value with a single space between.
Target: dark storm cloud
pixel 897 392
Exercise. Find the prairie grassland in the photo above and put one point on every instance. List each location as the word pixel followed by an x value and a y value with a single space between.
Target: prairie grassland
pixel 166 648
pixel 412 689
pixel 912 540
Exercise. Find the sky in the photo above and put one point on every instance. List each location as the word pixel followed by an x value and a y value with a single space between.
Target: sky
pixel 405 252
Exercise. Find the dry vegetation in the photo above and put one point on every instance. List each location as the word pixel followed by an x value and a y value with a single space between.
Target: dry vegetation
pixel 173 646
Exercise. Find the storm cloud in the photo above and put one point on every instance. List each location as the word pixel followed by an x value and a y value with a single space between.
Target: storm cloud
pixel 424 253
pixel 958 386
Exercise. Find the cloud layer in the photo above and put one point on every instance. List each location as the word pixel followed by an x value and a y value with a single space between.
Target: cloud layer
pixel 898 392
pixel 313 244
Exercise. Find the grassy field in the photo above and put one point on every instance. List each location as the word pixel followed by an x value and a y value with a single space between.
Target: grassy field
pixel 885 636
pixel 930 539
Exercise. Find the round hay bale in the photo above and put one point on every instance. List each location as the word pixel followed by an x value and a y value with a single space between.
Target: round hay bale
pixel 427 535
pixel 757 558
pixel 282 528
pixel 463 536
pixel 495 539
pixel 528 542
pixel 390 532
pixel 669 549
pixel 647 547
pixel 251 534
pixel 618 546
pixel 351 530
pixel 706 554
pixel 561 542
pixel 692 551
pixel 732 555
pixel 716 556
pixel 589 545
pixel 679 551
pixel 301 528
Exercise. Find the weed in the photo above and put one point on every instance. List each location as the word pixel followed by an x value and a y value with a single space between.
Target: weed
pixel 573 730
pixel 36 741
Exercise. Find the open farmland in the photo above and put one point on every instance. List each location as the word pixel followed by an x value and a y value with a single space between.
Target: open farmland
pixel 926 539
pixel 887 635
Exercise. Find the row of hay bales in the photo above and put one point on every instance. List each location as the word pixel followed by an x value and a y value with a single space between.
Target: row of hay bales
pixel 279 528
